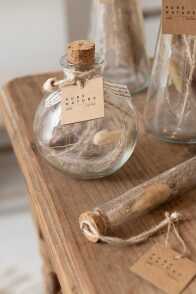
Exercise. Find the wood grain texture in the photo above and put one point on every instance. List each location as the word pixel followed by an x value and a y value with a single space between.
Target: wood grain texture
pixel 58 200
pixel 51 282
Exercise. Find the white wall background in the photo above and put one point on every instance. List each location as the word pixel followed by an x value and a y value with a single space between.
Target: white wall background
pixel 33 34
pixel 151 25
pixel 150 3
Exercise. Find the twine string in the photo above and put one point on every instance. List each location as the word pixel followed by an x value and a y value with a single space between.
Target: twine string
pixel 89 230
pixel 52 84
pixel 78 77
pixel 171 225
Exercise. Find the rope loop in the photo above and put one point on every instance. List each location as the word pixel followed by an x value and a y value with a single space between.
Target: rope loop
pixel 92 232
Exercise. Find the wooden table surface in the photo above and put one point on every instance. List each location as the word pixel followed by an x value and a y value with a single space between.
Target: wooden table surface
pixel 58 200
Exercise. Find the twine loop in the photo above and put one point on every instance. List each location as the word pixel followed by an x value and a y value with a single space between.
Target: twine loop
pixel 52 85
pixel 77 78
pixel 171 225
pixel 92 233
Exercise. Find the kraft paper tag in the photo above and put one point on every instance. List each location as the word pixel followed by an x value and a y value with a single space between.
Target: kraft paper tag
pixel 82 104
pixel 179 17
pixel 160 267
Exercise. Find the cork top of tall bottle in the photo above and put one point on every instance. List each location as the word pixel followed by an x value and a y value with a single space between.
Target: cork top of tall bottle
pixel 81 52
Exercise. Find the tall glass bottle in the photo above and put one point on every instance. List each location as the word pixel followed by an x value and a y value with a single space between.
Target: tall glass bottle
pixel 170 111
pixel 118 29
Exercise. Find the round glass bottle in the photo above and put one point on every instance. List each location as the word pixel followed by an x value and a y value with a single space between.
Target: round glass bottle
pixel 118 29
pixel 170 111
pixel 89 149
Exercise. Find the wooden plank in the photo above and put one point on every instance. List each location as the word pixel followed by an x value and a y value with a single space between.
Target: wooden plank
pixel 58 201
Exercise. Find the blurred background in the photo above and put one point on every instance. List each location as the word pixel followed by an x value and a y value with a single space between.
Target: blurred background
pixel 33 36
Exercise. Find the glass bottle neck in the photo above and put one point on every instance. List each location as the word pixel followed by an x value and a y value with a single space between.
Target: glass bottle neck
pixel 82 71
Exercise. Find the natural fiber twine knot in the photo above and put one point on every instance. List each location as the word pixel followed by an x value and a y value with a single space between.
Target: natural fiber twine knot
pixel 78 78
pixel 53 84
pixel 172 219
pixel 93 227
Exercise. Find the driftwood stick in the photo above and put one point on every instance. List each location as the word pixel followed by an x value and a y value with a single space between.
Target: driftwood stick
pixel 140 199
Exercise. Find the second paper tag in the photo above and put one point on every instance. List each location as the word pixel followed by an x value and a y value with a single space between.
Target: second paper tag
pixel 160 267
pixel 179 17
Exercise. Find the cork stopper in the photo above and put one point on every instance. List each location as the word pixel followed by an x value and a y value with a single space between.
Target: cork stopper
pixel 81 52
